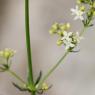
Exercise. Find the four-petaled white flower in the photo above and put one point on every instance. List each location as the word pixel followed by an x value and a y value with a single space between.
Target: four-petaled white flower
pixel 77 37
pixel 71 39
pixel 67 36
pixel 68 45
pixel 78 13
pixel 67 40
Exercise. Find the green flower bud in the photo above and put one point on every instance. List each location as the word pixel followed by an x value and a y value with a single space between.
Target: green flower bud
pixel 78 2
pixel 60 33
pixel 93 4
pixel 52 31
pixel 89 13
pixel 68 25
pixel 64 27
pixel 44 86
pixel 82 8
pixel 59 42
pixel 94 13
pixel 7 53
pixel 54 28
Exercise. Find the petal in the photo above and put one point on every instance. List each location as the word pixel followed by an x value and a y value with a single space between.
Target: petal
pixel 65 33
pixel 81 18
pixel 77 7
pixel 70 33
pixel 76 17
pixel 73 10
pixel 67 47
pixel 72 45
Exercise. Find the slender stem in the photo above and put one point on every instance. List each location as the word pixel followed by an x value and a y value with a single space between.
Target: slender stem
pixel 52 69
pixel 16 76
pixel 84 29
pixel 33 93
pixel 28 45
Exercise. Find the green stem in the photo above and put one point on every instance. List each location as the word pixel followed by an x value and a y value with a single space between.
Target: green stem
pixel 52 69
pixel 84 29
pixel 28 45
pixel 33 93
pixel 16 76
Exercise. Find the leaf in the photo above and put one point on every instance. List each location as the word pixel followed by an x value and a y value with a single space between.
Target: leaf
pixel 2 69
pixel 50 86
pixel 90 25
pixel 19 87
pixel 75 51
pixel 40 92
pixel 6 66
pixel 39 78
pixel 84 22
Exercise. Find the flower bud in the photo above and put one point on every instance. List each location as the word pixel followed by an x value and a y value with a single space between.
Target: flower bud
pixel 62 27
pixel 94 13
pixel 52 31
pixel 44 86
pixel 65 26
pixel 78 2
pixel 60 33
pixel 94 4
pixel 54 28
pixel 68 25
pixel 59 42
pixel 7 53
pixel 82 8
pixel 89 13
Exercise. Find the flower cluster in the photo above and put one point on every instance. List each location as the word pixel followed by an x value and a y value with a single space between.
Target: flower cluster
pixel 59 28
pixel 82 12
pixel 85 11
pixel 78 12
pixel 68 39
pixel 7 53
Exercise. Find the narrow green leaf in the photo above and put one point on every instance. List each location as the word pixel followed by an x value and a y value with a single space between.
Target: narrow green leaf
pixel 39 78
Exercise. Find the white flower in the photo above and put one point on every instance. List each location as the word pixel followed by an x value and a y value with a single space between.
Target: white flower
pixel 78 13
pixel 68 45
pixel 67 40
pixel 71 39
pixel 77 37
pixel 67 36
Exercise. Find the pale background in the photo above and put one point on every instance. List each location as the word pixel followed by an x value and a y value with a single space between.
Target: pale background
pixel 76 76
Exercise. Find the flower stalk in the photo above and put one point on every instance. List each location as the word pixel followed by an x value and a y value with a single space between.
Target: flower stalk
pixel 84 29
pixel 16 76
pixel 52 70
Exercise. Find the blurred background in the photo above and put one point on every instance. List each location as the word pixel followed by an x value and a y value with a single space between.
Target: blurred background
pixel 75 77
